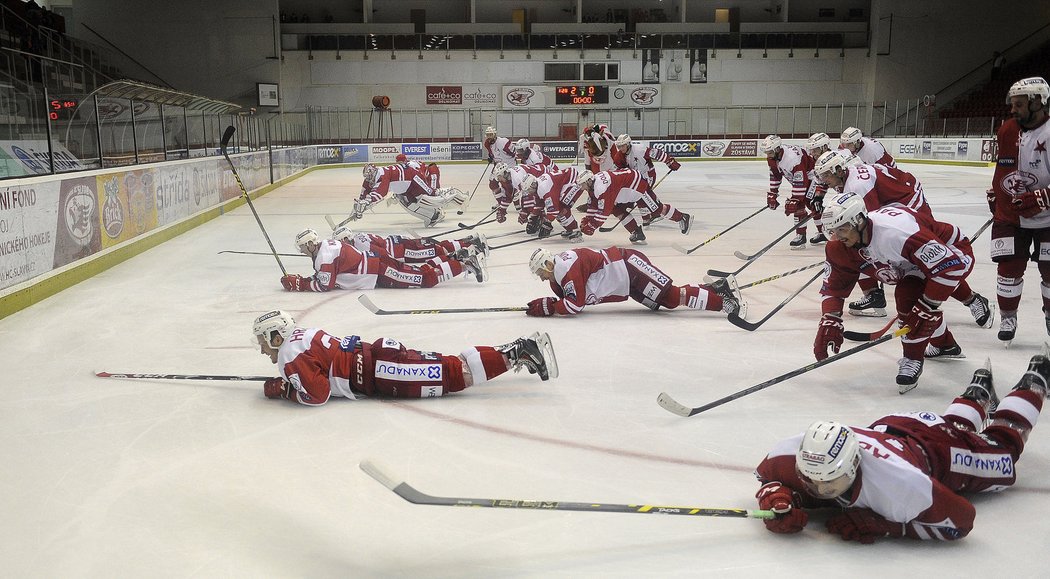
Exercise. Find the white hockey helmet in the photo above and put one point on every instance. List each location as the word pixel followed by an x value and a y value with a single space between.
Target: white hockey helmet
pixel 818 142
pixel 851 136
pixel 584 177
pixel 522 145
pixel 343 233
pixel 538 261
pixel 623 140
pixel 501 171
pixel 769 144
pixel 276 322
pixel 370 171
pixel 490 132
pixel 304 239
pixel 831 161
pixel 529 183
pixel 1031 87
pixel 844 209
pixel 828 458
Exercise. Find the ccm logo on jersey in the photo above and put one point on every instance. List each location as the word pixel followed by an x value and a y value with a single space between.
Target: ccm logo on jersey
pixel 981 464
pixel 653 273
pixel 931 253
pixel 408 372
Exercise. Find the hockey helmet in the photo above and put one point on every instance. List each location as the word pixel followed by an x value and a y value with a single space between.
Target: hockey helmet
pixel 529 183
pixel 770 144
pixel 490 132
pixel 538 261
pixel 851 136
pixel 304 239
pixel 623 140
pixel 522 145
pixel 818 142
pixel 401 158
pixel 831 161
pixel 1031 87
pixel 343 233
pixel 827 459
pixel 275 322
pixel 501 171
pixel 844 209
pixel 584 177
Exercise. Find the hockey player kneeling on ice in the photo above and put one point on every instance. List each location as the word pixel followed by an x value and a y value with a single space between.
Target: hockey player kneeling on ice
pixel 416 187
pixel 902 476
pixel 618 193
pixel 926 259
pixel 581 277
pixel 341 265
pixel 315 365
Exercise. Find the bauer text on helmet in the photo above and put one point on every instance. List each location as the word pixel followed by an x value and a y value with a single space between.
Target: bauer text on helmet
pixel 828 166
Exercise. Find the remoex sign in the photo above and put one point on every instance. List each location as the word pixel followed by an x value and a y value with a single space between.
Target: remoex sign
pixel 444 95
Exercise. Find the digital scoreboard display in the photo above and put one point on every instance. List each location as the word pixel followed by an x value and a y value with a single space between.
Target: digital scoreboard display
pixel 591 94
pixel 65 106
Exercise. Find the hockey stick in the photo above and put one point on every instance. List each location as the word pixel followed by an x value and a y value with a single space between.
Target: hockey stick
pixel 480 221
pixel 416 497
pixel 747 257
pixel 752 258
pixel 624 218
pixel 739 322
pixel 717 235
pixel 263 253
pixel 101 374
pixel 367 302
pixel 868 336
pixel 981 230
pixel 467 203
pixel 671 405
pixel 520 242
pixel 780 275
pixel 506 234
pixel 225 142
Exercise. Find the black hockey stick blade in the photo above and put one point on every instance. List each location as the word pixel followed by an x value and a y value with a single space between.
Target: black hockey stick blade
pixel 102 374
pixel 409 493
pixel 752 326
pixel 671 405
pixel 227 135
pixel 868 336
pixel 367 303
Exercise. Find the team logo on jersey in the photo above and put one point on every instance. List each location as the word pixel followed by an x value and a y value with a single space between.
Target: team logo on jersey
pixel 520 97
pixel 1018 182
pixel 569 290
pixel 981 464
pixel 931 253
pixel 645 95
pixel 323 278
pixel 297 383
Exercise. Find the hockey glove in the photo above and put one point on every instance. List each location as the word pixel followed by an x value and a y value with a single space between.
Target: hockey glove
pixel 523 217
pixel 501 215
pixel 771 200
pixel 793 205
pixel 829 336
pixel 295 283
pixel 275 388
pixel 990 196
pixel 923 319
pixel 1031 203
pixel 775 497
pixel 533 225
pixel 863 525
pixel 818 206
pixel 546 227
pixel 673 165
pixel 541 307
pixel 588 225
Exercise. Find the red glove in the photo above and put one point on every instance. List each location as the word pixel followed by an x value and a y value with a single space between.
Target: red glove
pixel 863 525
pixel 541 307
pixel 588 225
pixel 923 319
pixel 501 214
pixel 295 283
pixel 1031 203
pixel 829 335
pixel 275 388
pixel 990 195
pixel 794 205
pixel 771 200
pixel 673 165
pixel 776 497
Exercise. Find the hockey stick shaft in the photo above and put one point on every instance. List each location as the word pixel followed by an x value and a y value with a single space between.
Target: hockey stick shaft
pixel 182 376
pixel 780 275
pixel 416 497
pixel 981 230
pixel 747 257
pixel 263 253
pixel 866 336
pixel 506 234
pixel 480 221
pixel 720 234
pixel 624 218
pixel 368 303
pixel 667 403
pixel 752 258
pixel 476 185
pixel 223 144
pixel 531 239
pixel 739 322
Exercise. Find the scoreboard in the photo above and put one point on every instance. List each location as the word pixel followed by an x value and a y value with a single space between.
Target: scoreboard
pixel 590 94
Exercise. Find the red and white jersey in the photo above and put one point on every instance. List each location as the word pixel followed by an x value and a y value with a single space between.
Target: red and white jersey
pixel 613 187
pixel 586 276
pixel 641 159
pixel 893 479
pixel 507 191
pixel 883 186
pixel 903 243
pixel 499 149
pixel 1022 165
pixel 557 190
pixel 399 248
pixel 604 141
pixel 871 152
pixel 341 265
pixel 400 180
pixel 319 366
pixel 795 165
pixel 536 157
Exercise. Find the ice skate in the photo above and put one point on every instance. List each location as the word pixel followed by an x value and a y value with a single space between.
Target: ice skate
pixel 982 311
pixel 873 304
pixel 574 236
pixel 480 244
pixel 535 353
pixel 799 242
pixel 818 239
pixel 638 237
pixel 732 301
pixel 476 265
pixel 1037 377
pixel 686 223
pixel 1007 327
pixel 981 390
pixel 953 351
pixel 908 374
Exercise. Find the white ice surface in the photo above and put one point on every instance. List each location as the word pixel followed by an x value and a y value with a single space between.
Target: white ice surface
pixel 150 478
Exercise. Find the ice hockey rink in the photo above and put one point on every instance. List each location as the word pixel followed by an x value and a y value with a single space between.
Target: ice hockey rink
pixel 154 478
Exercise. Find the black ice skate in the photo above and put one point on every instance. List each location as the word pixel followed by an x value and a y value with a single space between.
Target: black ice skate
pixel 732 301
pixel 799 242
pixel 574 236
pixel 981 310
pixel 535 353
pixel 818 239
pixel 479 243
pixel 476 266
pixel 981 390
pixel 638 237
pixel 1007 327
pixel 908 374
pixel 873 304
pixel 686 223
pixel 1037 377
pixel 953 351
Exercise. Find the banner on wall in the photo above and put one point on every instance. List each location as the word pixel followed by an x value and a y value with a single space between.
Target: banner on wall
pixel 559 149
pixel 678 148
pixel 459 95
pixel 28 218
pixel 651 66
pixel 466 151
pixel 78 232
pixel 31 158
pixel 425 152
pixel 698 65
pixel 729 148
